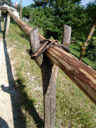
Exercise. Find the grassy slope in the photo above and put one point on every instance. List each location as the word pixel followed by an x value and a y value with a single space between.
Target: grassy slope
pixel 73 108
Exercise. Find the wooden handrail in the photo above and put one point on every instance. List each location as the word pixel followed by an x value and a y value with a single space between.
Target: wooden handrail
pixel 81 74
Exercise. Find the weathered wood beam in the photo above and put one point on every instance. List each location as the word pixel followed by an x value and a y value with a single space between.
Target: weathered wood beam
pixel 81 74
pixel 49 76
pixel 35 45
pixel 78 72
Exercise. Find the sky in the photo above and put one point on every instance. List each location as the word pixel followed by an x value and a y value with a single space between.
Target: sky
pixel 84 2
pixel 28 2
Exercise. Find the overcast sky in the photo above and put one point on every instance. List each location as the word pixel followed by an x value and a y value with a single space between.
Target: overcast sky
pixel 28 2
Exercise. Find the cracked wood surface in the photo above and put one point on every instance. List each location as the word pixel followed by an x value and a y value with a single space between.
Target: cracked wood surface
pixel 81 74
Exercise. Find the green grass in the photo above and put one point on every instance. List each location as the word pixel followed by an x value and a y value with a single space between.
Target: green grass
pixel 75 50
pixel 73 108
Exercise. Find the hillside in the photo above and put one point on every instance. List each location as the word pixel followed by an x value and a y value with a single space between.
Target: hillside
pixel 73 108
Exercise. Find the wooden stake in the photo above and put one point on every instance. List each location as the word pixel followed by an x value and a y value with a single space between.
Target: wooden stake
pixel 7 23
pixel 49 76
pixel 66 35
pixel 35 45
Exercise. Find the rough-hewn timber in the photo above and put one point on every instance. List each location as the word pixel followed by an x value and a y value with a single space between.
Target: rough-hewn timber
pixel 49 76
pixel 81 74
pixel 66 35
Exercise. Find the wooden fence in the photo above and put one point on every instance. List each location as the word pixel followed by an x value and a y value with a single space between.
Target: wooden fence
pixel 81 74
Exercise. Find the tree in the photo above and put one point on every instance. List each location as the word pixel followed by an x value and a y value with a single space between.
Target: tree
pixel 55 13
pixel 91 7
pixel 26 12
pixel 91 50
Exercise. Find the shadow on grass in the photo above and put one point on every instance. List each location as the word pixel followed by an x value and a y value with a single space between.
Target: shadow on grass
pixel 29 105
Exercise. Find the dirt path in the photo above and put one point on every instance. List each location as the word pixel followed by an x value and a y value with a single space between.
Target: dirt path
pixel 10 111
pixel 6 113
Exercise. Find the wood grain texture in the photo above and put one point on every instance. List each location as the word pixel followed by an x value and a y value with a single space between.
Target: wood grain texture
pixel 49 76
pixel 35 45
pixel 66 35
pixel 78 72
pixel 81 74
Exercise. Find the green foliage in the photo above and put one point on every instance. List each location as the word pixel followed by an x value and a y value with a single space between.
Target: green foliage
pixel 38 18
pixel 91 8
pixel 26 12
pixel 91 50
pixel 53 14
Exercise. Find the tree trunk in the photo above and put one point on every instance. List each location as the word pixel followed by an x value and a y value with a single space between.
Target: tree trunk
pixel 83 50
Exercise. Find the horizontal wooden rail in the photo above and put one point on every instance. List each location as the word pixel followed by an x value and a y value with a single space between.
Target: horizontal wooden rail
pixel 78 72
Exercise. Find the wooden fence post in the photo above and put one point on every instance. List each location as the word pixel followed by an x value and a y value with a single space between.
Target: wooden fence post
pixel 49 76
pixel 66 35
pixel 35 45
pixel 6 23
pixel 66 38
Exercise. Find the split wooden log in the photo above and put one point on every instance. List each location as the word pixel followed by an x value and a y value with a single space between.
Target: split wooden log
pixel 78 72
pixel 82 75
